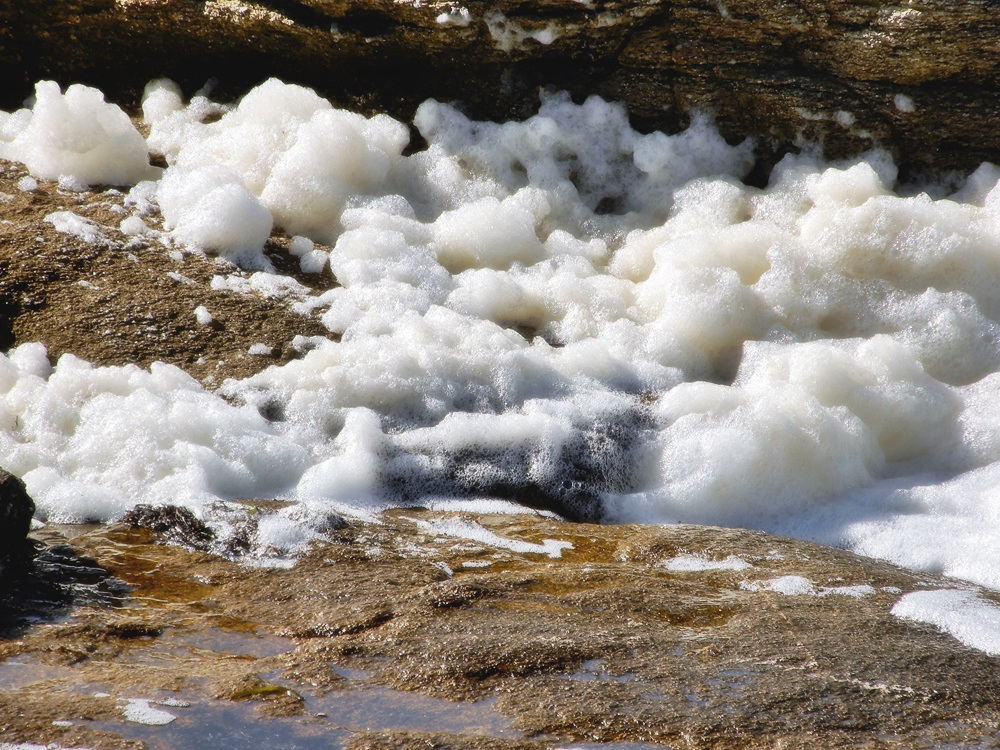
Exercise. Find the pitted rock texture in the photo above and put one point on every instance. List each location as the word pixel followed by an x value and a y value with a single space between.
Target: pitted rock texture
pixel 915 78
pixel 676 636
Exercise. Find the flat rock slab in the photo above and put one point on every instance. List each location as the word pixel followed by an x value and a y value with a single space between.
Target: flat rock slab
pixel 506 632
pixel 918 79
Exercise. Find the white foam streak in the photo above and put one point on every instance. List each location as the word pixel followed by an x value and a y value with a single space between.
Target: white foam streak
pixel 961 614
pixel 478 533
pixel 697 564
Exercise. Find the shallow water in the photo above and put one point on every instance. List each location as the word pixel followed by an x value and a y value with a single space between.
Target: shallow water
pixel 331 722
pixel 610 639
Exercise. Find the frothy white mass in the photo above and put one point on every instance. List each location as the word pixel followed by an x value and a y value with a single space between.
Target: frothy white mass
pixel 560 311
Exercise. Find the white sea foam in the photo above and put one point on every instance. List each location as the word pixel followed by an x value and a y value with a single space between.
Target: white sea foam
pixel 560 312
pixel 139 711
pixel 960 613
pixel 793 585
pixel 479 533
pixel 74 224
pixel 210 208
pixel 75 134
pixel 203 316
pixel 697 564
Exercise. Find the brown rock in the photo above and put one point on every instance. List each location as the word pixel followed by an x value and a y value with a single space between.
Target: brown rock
pixel 917 79
pixel 400 637
pixel 179 525
pixel 436 741
pixel 120 302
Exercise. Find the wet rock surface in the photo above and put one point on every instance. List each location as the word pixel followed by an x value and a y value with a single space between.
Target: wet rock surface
pixel 401 634
pixel 916 78
pixel 177 525
pixel 47 581
pixel 117 299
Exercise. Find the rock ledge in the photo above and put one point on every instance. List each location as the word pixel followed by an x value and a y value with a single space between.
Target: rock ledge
pixel 917 79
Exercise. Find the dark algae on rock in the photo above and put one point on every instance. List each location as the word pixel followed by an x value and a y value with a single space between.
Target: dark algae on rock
pixel 16 510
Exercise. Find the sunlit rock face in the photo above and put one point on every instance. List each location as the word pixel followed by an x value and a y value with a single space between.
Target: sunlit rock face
pixel 843 72
pixel 550 311
pixel 509 633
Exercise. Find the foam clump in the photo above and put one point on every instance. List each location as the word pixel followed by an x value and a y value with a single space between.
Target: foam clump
pixel 74 224
pixel 75 134
pixel 960 613
pixel 488 233
pixel 289 148
pixel 586 158
pixel 560 312
pixel 211 209
pixel 203 316
pixel 140 711
pixel 67 428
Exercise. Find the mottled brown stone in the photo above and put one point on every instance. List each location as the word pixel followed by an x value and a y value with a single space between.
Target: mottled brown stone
pixel 476 647
pixel 788 72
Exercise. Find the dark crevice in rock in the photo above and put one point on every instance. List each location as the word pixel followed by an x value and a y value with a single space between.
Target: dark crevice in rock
pixel 8 313
pixel 45 582
pixel 367 22
pixel 16 511
pixel 599 457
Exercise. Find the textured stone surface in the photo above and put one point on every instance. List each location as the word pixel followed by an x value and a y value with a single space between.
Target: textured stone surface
pixel 915 77
pixel 69 297
pixel 397 635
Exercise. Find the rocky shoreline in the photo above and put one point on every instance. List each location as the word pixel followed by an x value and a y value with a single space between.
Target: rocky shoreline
pixel 464 631
pixel 916 79
pixel 675 636
pixel 518 632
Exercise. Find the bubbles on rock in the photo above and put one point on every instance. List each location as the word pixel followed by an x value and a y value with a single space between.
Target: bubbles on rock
pixel 562 312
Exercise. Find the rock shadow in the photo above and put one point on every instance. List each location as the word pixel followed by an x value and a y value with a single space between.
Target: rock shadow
pixel 47 581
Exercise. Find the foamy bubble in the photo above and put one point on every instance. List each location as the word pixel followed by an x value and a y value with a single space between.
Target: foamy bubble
pixel 210 208
pixel 77 135
pixel 561 312
pixel 961 614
